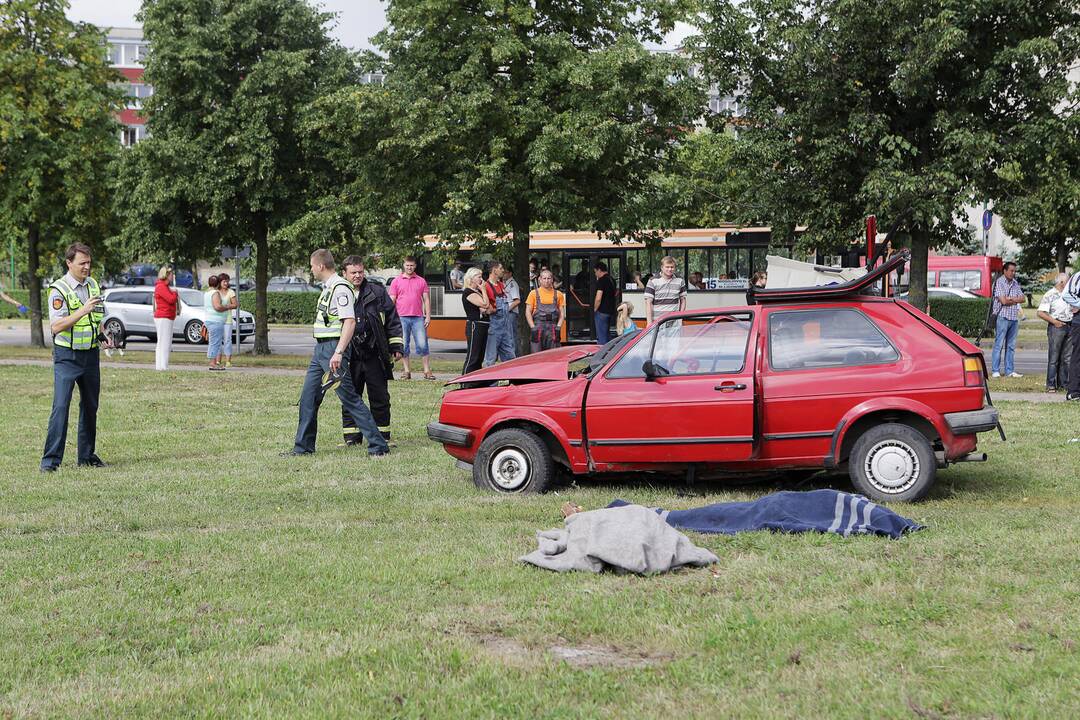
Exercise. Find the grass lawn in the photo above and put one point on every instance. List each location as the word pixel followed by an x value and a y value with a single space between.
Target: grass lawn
pixel 202 575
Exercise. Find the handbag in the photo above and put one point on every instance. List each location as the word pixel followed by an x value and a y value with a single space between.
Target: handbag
pixel 204 334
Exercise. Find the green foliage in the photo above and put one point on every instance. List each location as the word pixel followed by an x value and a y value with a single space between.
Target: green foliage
pixel 285 307
pixel 58 132
pixel 225 162
pixel 886 107
pixel 965 316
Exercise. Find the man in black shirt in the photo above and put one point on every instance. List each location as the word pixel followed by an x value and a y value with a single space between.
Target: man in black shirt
pixel 603 303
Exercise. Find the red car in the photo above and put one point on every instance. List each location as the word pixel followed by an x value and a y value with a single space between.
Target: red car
pixel 808 378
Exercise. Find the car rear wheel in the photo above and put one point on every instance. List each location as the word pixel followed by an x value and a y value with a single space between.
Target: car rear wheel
pixel 114 328
pixel 193 332
pixel 513 461
pixel 892 463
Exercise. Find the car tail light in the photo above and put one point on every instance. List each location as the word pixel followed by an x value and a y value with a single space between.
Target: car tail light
pixel 974 372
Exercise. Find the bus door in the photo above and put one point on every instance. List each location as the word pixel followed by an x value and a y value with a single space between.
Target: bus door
pixel 579 284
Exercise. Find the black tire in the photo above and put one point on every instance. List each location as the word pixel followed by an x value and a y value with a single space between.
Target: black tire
pixel 513 461
pixel 892 463
pixel 113 326
pixel 193 332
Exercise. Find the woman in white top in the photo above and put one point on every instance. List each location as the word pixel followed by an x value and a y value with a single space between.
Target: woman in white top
pixel 230 302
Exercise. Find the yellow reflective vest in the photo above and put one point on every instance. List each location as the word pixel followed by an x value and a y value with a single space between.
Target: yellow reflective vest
pixel 83 335
pixel 327 323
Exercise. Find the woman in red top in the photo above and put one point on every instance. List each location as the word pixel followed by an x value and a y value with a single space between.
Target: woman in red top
pixel 165 302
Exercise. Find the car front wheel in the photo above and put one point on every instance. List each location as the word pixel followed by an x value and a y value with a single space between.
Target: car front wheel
pixel 114 328
pixel 193 332
pixel 892 462
pixel 513 461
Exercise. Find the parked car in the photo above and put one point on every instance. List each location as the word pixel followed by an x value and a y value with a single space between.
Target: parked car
pixel 284 283
pixel 807 379
pixel 130 310
pixel 146 275
pixel 935 293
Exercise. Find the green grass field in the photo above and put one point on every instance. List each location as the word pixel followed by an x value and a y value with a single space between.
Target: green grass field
pixel 202 575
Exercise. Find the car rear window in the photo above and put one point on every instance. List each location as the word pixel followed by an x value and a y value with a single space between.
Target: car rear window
pixel 839 337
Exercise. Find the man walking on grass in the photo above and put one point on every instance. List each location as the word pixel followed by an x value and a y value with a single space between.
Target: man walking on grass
pixel 413 300
pixel 335 323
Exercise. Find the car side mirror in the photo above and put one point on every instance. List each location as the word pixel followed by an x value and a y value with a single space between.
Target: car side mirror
pixel 649 368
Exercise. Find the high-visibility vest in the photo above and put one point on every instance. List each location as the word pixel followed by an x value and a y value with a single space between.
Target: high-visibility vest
pixel 83 335
pixel 327 323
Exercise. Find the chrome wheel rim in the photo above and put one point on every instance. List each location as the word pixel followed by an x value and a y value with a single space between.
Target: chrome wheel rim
pixel 892 466
pixel 509 469
pixel 195 332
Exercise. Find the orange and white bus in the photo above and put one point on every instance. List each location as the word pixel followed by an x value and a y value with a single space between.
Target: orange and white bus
pixel 717 263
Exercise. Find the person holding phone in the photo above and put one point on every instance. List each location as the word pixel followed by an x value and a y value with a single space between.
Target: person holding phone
pixel 75 315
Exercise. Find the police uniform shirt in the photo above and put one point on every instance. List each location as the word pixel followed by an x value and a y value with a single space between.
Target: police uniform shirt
pixel 58 306
pixel 342 299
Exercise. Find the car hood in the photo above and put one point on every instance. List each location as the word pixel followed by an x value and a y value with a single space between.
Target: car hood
pixel 547 365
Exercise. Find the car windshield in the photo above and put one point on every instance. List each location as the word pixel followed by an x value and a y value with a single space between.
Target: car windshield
pixel 609 350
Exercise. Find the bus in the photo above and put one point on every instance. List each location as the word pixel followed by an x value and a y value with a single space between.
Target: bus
pixel 716 262
pixel 974 273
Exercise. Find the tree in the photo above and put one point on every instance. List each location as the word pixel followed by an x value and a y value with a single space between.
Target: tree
pixel 1041 190
pixel 58 133
pixel 224 161
pixel 858 107
pixel 495 117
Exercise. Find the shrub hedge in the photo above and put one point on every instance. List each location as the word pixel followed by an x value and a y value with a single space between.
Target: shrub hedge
pixel 284 307
pixel 965 316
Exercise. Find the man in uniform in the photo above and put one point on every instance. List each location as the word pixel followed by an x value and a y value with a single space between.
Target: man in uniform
pixel 333 329
pixel 75 314
pixel 376 343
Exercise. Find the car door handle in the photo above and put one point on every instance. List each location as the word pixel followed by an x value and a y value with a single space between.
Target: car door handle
pixel 730 387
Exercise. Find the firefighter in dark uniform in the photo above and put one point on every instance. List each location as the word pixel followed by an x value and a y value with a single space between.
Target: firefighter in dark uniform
pixel 376 344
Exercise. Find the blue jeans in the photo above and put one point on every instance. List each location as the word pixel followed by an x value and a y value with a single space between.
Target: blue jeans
pixel 1004 336
pixel 71 368
pixel 214 332
pixel 1060 352
pixel 312 396
pixel 412 327
pixel 500 339
pixel 602 321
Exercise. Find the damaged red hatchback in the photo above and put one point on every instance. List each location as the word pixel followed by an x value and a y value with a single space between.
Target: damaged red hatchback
pixel 808 378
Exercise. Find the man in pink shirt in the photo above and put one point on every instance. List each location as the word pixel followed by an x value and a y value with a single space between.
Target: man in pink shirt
pixel 413 299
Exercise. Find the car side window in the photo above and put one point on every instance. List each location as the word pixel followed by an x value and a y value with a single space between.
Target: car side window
pixel 118 297
pixel 698 345
pixel 839 337
pixel 629 365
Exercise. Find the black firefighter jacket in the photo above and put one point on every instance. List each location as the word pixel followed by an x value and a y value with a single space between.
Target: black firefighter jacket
pixel 378 327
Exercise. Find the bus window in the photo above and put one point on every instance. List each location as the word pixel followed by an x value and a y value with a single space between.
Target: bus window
pixel 720 263
pixel 965 279
pixel 758 261
pixel 433 268
pixel 740 263
pixel 698 266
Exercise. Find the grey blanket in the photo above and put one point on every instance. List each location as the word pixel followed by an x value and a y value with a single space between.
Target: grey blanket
pixel 630 538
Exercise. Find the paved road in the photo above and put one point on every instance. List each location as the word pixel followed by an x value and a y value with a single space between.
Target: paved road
pixel 284 340
pixel 295 340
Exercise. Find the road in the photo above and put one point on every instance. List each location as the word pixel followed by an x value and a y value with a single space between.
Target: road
pixel 297 340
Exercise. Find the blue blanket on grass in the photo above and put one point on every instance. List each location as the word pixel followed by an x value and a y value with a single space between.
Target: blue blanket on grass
pixel 827 511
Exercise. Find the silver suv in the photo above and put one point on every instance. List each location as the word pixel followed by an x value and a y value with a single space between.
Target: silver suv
pixel 130 310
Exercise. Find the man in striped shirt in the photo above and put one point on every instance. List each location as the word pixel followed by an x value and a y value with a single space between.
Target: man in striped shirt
pixel 1007 298
pixel 1071 295
pixel 665 294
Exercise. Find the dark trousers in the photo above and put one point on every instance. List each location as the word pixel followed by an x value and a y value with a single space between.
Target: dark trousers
pixel 476 332
pixel 1057 360
pixel 71 368
pixel 311 398
pixel 1074 361
pixel 368 371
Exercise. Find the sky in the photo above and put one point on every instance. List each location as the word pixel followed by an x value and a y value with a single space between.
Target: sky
pixel 357 20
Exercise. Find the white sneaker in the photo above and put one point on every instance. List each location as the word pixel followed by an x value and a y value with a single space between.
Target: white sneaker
pixel 996 375
pixel 1015 374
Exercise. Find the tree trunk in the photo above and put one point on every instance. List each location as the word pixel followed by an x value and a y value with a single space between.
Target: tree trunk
pixel 521 226
pixel 920 251
pixel 37 335
pixel 1061 252
pixel 262 277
